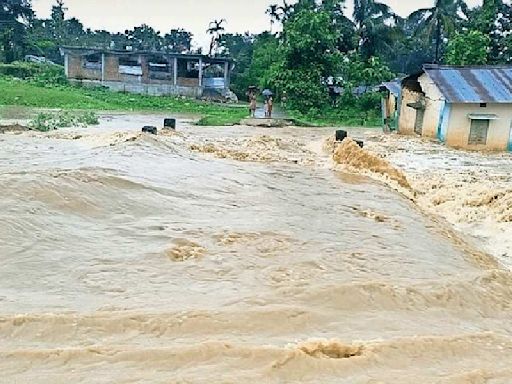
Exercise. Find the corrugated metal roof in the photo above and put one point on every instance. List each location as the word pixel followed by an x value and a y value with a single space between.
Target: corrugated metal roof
pixel 489 84
pixel 395 87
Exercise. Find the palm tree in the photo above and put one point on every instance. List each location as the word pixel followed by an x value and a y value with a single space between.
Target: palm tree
pixel 215 29
pixel 439 21
pixel 273 12
pixel 372 20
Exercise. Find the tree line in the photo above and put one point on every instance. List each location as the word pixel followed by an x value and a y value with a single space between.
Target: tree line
pixel 318 45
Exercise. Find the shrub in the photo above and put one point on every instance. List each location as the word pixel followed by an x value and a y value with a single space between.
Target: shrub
pixel 39 74
pixel 47 121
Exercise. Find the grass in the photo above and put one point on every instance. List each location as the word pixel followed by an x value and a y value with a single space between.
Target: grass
pixel 350 119
pixel 15 92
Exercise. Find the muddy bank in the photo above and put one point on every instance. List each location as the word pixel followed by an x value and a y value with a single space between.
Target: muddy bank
pixel 13 128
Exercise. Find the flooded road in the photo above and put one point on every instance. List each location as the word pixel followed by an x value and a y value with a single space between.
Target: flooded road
pixel 231 255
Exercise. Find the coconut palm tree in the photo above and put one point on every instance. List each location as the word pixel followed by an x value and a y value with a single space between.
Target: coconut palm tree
pixel 439 21
pixel 372 20
pixel 273 12
pixel 215 29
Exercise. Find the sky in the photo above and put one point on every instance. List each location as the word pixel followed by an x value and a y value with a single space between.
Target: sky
pixel 193 15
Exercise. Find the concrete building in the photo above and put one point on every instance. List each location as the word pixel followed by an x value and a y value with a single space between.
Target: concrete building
pixel 152 73
pixel 464 107
pixel 390 92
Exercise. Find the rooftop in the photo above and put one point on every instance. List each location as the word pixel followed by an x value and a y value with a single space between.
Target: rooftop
pixel 90 51
pixel 472 84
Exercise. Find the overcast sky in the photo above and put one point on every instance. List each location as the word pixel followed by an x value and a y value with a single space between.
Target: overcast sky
pixel 193 15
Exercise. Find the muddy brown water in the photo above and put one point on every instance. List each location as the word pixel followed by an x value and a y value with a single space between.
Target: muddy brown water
pixel 128 258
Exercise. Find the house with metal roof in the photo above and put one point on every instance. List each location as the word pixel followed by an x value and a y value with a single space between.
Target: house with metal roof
pixel 464 107
pixel 153 73
pixel 390 92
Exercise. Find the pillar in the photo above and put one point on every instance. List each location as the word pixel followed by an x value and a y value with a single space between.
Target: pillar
pixel 144 64
pixel 103 67
pixel 175 71
pixel 226 75
pixel 201 72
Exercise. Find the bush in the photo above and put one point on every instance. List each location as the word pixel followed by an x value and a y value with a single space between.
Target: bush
pixel 39 74
pixel 47 121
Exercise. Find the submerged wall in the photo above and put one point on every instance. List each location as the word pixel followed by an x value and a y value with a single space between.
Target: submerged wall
pixel 434 103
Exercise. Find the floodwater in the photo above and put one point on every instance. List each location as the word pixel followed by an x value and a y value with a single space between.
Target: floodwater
pixel 231 255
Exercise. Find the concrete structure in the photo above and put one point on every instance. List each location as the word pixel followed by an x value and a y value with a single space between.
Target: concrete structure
pixel 464 107
pixel 391 93
pixel 152 73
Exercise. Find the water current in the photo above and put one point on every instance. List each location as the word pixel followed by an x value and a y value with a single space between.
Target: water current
pixel 231 255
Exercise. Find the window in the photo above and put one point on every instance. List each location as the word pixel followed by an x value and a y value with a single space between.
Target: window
pixel 483 105
pixel 92 62
pixel 478 132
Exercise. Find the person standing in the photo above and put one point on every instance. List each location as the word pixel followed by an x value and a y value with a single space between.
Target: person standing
pixel 270 105
pixel 252 104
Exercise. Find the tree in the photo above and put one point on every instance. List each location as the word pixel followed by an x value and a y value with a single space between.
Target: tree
pixel 439 22
pixel 308 55
pixel 273 12
pixel 372 21
pixel 178 40
pixel 215 29
pixel 468 48
pixel 144 38
pixel 240 48
pixel 493 19
pixel 15 16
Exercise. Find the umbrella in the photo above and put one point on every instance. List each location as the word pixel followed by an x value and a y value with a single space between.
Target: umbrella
pixel 267 93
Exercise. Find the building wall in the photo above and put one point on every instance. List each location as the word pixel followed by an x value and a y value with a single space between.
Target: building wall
pixel 76 70
pixel 147 89
pixel 434 103
pixel 110 68
pixel 499 134
pixel 408 114
pixel 112 76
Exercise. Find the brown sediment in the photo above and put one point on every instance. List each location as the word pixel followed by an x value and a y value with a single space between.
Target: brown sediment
pixel 13 128
pixel 348 153
pixel 184 250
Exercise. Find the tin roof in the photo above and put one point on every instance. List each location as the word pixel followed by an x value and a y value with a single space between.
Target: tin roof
pixel 84 51
pixel 485 84
pixel 395 87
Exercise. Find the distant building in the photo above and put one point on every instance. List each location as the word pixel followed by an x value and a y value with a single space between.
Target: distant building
pixel 391 92
pixel 152 73
pixel 465 107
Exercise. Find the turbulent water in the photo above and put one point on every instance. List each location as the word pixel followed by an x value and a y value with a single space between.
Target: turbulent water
pixel 231 255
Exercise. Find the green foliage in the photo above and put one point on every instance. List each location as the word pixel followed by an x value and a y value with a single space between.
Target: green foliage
pixel 373 22
pixel 15 15
pixel 47 121
pixel 41 74
pixel 439 22
pixel 468 48
pixel 239 47
pixel 308 55
pixel 226 117
pixel 356 71
pixel 356 112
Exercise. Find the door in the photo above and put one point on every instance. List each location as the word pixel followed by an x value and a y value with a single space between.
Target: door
pixel 478 132
pixel 418 125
